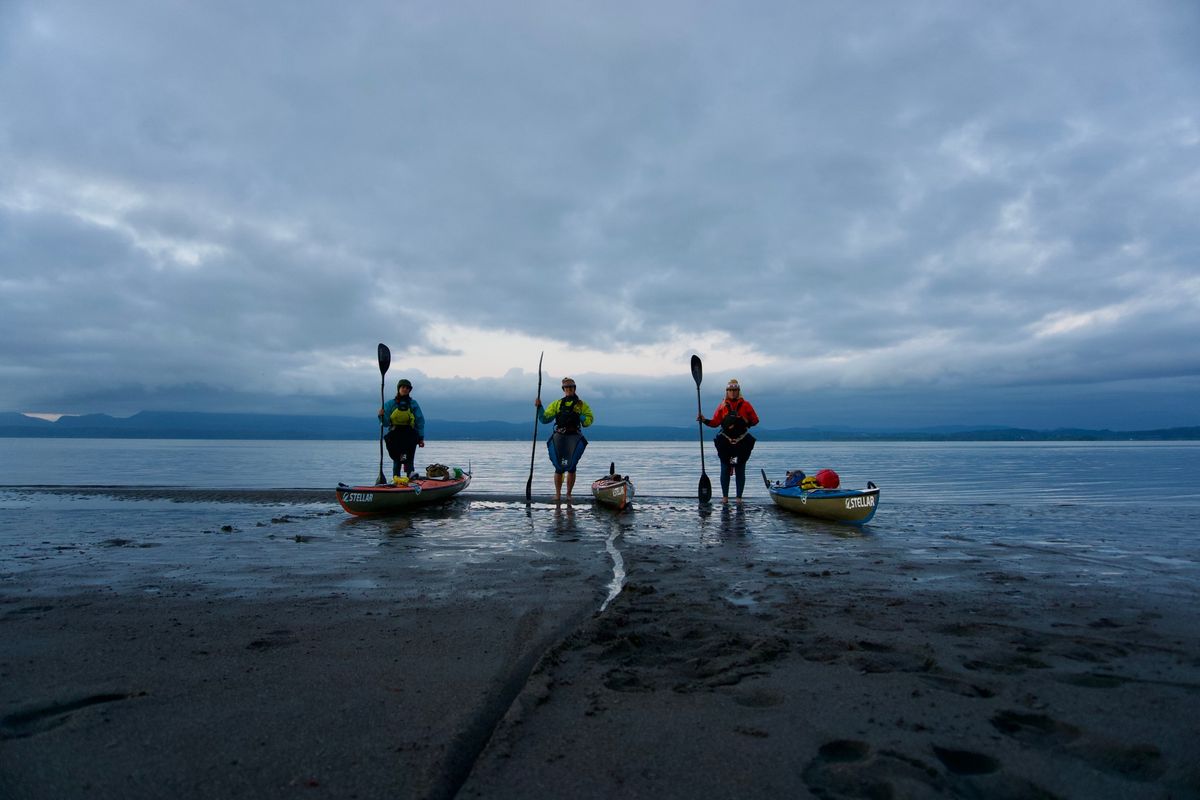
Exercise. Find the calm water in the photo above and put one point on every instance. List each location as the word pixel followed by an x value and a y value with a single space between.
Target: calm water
pixel 1124 515
pixel 987 472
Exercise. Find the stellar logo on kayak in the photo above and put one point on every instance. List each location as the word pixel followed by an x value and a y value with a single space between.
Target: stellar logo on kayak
pixel 358 497
pixel 867 501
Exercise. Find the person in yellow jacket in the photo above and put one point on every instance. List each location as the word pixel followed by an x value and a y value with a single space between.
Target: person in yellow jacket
pixel 406 429
pixel 570 415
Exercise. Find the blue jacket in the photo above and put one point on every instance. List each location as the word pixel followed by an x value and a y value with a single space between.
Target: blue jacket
pixel 418 419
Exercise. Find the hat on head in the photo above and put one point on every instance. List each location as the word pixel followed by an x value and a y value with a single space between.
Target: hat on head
pixel 568 380
pixel 733 384
pixel 402 383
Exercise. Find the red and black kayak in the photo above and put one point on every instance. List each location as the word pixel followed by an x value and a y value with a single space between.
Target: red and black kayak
pixel 371 501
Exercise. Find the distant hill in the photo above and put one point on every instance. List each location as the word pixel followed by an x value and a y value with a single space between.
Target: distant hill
pixel 170 425
pixel 992 434
pixel 13 420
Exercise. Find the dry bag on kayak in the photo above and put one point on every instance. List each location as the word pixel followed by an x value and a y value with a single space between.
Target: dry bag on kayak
pixel 828 479
pixel 794 477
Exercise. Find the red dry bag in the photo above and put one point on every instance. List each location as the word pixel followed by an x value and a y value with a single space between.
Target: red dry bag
pixel 828 479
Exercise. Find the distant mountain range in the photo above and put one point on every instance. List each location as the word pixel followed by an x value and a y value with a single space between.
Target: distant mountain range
pixel 171 425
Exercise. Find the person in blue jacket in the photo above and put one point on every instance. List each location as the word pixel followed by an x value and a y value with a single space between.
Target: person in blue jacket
pixel 570 415
pixel 406 429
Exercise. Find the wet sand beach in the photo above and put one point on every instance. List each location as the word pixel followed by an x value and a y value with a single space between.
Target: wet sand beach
pixel 300 655
pixel 840 681
pixel 188 696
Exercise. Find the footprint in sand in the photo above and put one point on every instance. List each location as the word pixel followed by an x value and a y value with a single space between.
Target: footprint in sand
pixel 44 718
pixel 956 685
pixel 1035 729
pixel 966 762
pixel 623 680
pixel 758 698
pixel 1138 762
pixel 846 768
pixel 274 639
pixel 1092 680
pixel 964 628
pixel 29 610
pixel 878 658
pixel 1005 663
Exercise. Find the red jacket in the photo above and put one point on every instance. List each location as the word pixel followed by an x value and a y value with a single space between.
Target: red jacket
pixel 740 407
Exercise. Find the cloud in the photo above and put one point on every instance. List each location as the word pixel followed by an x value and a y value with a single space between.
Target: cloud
pixel 237 202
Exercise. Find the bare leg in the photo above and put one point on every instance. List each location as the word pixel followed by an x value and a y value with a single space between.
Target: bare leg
pixel 558 487
pixel 570 484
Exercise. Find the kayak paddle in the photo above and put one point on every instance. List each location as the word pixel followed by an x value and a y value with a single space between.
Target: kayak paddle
pixel 533 452
pixel 705 486
pixel 385 361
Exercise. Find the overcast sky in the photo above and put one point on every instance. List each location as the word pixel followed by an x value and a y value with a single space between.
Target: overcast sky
pixel 871 213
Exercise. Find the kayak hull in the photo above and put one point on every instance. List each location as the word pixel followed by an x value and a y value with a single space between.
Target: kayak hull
pixel 613 490
pixel 615 494
pixel 852 506
pixel 374 501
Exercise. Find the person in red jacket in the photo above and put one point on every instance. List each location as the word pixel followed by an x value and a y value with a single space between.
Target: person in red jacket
pixel 735 417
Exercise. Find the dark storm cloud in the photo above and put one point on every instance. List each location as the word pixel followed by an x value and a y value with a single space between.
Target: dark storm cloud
pixel 940 199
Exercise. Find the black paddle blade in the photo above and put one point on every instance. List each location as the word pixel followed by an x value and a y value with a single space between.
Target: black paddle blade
pixel 529 490
pixel 705 489
pixel 697 370
pixel 385 361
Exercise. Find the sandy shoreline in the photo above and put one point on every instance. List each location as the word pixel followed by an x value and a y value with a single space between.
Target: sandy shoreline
pixel 840 685
pixel 190 695
pixel 715 673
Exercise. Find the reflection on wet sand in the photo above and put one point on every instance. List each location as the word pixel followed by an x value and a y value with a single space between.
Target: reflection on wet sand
pixel 563 519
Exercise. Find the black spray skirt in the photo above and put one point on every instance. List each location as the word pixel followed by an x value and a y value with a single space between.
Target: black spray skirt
pixel 740 449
